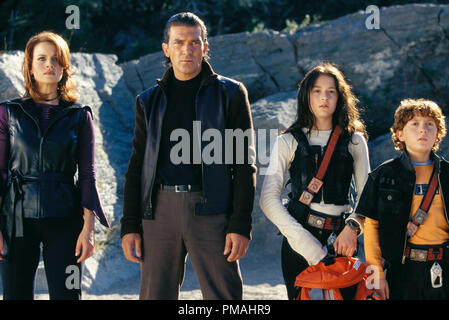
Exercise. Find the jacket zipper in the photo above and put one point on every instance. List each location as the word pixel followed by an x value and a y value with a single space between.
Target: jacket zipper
pixel 40 169
pixel 41 154
pixel 322 188
pixel 444 204
pixel 157 147
pixel 405 238
pixel 41 138
pixel 203 195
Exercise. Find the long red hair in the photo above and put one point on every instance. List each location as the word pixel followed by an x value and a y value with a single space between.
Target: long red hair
pixel 66 86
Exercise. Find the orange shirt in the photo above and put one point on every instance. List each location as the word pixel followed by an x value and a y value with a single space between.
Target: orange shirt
pixel 434 230
pixel 373 255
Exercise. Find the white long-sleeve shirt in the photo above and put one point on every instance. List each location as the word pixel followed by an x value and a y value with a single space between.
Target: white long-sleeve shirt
pixel 282 155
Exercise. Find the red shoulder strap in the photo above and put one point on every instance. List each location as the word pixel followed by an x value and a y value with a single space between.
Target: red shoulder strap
pixel 421 213
pixel 316 182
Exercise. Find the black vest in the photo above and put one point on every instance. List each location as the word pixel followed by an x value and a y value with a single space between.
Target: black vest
pixel 307 160
pixel 41 165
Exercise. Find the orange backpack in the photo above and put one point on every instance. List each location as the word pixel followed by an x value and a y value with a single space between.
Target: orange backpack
pixel 344 272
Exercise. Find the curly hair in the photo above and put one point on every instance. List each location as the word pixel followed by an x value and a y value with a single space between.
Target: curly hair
pixel 346 114
pixel 66 86
pixel 409 108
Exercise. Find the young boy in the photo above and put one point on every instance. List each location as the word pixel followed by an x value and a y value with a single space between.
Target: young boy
pixel 403 225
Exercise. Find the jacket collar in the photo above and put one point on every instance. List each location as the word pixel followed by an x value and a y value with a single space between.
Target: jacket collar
pixel 207 75
pixel 27 102
pixel 28 105
pixel 407 163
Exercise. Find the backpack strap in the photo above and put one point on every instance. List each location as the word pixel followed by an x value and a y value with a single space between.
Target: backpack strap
pixel 421 214
pixel 316 182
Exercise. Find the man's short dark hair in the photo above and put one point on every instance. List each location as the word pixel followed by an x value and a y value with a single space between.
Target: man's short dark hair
pixel 185 19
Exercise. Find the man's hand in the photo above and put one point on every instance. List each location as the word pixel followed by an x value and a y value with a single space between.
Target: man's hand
pixel 346 242
pixel 236 245
pixel 132 241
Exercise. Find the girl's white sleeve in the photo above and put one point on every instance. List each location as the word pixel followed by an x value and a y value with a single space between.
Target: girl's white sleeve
pixel 301 240
pixel 360 154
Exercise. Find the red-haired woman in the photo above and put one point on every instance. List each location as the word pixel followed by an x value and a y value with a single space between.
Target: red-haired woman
pixel 45 137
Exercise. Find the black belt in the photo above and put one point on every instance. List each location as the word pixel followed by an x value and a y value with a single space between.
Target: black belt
pixel 182 187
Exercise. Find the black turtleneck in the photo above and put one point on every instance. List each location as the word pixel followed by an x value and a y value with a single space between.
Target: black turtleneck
pixel 180 114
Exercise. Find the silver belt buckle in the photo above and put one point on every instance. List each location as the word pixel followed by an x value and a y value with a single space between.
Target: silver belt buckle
pixel 418 255
pixel 436 275
pixel 315 221
pixel 179 190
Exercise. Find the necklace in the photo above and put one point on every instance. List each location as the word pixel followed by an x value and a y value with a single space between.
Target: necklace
pixel 57 97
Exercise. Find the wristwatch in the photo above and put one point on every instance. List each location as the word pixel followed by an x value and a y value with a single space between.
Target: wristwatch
pixel 354 226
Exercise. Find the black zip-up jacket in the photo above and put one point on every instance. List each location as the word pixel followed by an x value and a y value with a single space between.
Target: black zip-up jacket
pixel 387 198
pixel 221 103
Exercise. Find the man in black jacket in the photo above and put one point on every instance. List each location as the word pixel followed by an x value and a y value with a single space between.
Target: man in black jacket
pixel 192 206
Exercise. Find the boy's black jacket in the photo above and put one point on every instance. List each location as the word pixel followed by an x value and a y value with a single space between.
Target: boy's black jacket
pixel 387 198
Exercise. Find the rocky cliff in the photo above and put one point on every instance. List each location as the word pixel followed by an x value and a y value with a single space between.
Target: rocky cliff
pixel 406 57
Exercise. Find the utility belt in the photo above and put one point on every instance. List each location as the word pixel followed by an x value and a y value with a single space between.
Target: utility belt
pixel 324 221
pixel 424 253
pixel 322 226
pixel 429 253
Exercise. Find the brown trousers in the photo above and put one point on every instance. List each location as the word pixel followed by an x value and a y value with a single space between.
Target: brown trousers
pixel 176 232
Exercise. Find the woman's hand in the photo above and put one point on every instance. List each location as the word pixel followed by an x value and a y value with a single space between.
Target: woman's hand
pixel 86 240
pixel 346 242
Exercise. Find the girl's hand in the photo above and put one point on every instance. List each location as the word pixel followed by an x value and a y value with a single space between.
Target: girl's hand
pixel 346 242
pixel 86 240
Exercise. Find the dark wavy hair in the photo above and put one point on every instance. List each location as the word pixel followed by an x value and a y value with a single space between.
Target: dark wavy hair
pixel 185 19
pixel 346 114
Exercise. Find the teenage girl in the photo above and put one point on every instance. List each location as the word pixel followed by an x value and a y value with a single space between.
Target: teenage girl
pixel 325 100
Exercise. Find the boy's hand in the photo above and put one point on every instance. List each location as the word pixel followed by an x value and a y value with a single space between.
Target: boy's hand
pixel 411 229
pixel 383 290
